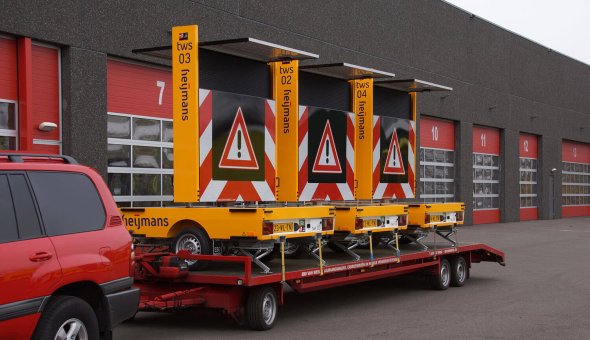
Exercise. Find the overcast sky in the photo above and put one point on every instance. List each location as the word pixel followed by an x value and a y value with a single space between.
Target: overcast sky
pixel 562 25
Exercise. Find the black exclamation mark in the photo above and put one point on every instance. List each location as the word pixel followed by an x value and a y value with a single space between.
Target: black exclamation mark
pixel 327 151
pixel 239 143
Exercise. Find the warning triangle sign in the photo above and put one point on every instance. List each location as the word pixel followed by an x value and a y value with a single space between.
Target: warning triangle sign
pixel 393 163
pixel 326 160
pixel 238 152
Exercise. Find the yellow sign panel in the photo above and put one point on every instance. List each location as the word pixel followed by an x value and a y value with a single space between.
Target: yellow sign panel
pixel 185 97
pixel 286 95
pixel 362 106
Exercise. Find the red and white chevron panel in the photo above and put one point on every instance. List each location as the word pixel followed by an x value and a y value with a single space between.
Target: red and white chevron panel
pixel 214 190
pixel 393 190
pixel 310 191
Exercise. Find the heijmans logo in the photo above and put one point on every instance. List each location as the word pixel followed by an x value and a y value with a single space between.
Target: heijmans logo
pixel 183 36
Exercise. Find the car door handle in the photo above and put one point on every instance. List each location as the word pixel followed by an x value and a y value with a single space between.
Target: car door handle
pixel 41 256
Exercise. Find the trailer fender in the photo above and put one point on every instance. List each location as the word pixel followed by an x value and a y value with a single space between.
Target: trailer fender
pixel 181 225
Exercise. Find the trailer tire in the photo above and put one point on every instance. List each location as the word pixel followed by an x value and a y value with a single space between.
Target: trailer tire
pixel 458 271
pixel 442 279
pixel 262 308
pixel 195 241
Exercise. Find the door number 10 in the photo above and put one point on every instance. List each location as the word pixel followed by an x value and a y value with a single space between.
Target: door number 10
pixel 435 133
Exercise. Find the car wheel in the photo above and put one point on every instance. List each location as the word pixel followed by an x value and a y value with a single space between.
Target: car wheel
pixel 262 308
pixel 67 317
pixel 194 241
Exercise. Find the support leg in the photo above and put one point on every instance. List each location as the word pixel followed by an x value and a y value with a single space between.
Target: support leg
pixel 448 235
pixel 348 249
pixel 393 244
pixel 314 250
pixel 416 239
pixel 256 258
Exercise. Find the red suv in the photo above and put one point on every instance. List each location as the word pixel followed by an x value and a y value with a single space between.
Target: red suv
pixel 64 252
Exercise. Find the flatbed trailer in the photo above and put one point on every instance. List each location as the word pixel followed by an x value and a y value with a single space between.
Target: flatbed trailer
pixel 234 285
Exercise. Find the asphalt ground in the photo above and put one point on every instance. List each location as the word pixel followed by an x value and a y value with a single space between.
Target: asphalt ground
pixel 542 293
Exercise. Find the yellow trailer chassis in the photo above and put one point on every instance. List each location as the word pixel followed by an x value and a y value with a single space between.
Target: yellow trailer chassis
pixel 251 231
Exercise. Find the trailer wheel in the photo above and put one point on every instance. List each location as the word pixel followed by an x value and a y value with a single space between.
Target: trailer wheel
pixel 261 308
pixel 195 241
pixel 442 279
pixel 458 271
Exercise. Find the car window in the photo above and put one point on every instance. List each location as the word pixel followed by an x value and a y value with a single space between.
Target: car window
pixel 68 201
pixel 24 207
pixel 8 229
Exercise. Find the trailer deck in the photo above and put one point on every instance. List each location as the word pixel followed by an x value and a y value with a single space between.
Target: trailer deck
pixel 233 284
pixel 230 272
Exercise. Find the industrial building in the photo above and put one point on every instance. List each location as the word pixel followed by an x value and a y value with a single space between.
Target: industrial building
pixel 512 140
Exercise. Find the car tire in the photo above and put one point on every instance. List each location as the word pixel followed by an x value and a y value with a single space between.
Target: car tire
pixel 262 308
pixel 195 241
pixel 65 314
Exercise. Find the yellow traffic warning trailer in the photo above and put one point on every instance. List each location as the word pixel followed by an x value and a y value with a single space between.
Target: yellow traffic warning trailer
pixel 439 218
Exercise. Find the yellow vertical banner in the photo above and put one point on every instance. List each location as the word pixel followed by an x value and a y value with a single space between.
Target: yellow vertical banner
pixel 362 107
pixel 185 98
pixel 285 85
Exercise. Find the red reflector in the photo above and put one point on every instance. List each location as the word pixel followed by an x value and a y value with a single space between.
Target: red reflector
pixel 115 221
pixel 267 228
pixel 327 224
pixel 402 220
pixel 358 224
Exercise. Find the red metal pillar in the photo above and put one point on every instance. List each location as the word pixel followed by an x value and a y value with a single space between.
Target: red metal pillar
pixel 25 93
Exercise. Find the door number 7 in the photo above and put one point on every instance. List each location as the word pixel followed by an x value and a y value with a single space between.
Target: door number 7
pixel 161 85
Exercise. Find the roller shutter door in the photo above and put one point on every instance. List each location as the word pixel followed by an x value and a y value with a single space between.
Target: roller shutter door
pixel 437 160
pixel 575 178
pixel 139 129
pixel 528 152
pixel 486 175
pixel 8 94
pixel 46 99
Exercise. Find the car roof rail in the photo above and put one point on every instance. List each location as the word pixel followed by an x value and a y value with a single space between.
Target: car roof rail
pixel 18 157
